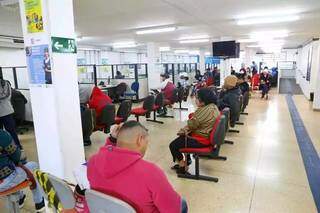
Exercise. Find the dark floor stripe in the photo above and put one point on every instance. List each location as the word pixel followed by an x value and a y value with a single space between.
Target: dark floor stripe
pixel 309 154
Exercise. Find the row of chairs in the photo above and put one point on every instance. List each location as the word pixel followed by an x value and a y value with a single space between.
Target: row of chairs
pixel 217 139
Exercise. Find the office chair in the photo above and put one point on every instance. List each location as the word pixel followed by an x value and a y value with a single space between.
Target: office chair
pixel 146 108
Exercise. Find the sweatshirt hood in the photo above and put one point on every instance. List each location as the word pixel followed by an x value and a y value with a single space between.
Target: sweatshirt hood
pixel 110 161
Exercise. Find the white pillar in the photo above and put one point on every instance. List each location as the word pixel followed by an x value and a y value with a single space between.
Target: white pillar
pixel 56 111
pixel 316 72
pixel 154 66
pixel 202 61
pixel 224 69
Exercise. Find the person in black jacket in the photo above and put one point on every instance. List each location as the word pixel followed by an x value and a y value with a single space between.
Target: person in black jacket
pixel 243 84
pixel 230 97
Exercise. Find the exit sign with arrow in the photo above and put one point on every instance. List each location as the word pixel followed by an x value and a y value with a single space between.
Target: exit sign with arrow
pixel 63 45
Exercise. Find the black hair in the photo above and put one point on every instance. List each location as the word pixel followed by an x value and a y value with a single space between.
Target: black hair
pixel 119 73
pixel 207 96
pixel 165 75
pixel 132 124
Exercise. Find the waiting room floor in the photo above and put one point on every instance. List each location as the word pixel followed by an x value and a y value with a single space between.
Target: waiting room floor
pixel 264 171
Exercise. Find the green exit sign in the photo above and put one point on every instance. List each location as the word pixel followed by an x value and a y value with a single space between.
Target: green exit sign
pixel 63 45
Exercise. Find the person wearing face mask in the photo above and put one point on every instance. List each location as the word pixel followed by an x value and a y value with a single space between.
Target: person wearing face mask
pixel 265 83
pixel 199 126
pixel 121 171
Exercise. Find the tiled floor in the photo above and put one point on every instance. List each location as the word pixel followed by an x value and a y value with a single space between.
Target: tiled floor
pixel 264 171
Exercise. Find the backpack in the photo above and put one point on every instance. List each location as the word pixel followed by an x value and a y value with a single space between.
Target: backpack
pixel 5 89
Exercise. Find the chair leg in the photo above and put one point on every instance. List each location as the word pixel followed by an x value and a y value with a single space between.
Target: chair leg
pixel 166 116
pixel 155 118
pixel 228 142
pixel 239 123
pixel 234 131
pixel 137 117
pixel 197 175
pixel 180 107
pixel 244 113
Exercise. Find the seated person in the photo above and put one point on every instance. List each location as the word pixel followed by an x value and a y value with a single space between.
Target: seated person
pixel 198 75
pixel 265 83
pixel 183 81
pixel 11 174
pixel 119 75
pixel 167 88
pixel 243 84
pixel 230 97
pixel 85 91
pixel 98 101
pixel 121 171
pixel 199 128
pixel 208 76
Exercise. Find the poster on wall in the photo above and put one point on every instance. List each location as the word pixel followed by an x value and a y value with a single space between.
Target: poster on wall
pixel 39 64
pixel 308 77
pixel 34 18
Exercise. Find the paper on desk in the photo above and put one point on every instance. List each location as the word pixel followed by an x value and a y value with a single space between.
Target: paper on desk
pixel 80 175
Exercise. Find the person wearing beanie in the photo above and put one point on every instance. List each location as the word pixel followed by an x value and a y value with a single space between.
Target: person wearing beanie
pixel 11 174
pixel 230 97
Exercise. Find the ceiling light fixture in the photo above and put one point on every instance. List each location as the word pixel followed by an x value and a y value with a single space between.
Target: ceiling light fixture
pixel 207 53
pixel 248 40
pixel 269 35
pixel 194 37
pixel 268 20
pixel 156 30
pixel 194 52
pixel 130 44
pixel 194 41
pixel 164 49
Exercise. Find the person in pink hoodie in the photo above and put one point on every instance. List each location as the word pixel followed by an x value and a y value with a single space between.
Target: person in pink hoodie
pixel 121 171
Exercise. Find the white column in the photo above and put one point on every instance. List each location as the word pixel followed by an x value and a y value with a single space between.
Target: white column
pixel 154 67
pixel 224 69
pixel 316 73
pixel 202 61
pixel 56 111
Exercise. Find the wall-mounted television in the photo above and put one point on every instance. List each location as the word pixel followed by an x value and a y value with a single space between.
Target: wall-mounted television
pixel 228 49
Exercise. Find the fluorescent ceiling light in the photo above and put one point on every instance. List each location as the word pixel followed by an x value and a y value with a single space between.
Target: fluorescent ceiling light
pixel 248 40
pixel 130 44
pixel 193 37
pixel 268 20
pixel 207 53
pixel 156 30
pixel 268 13
pixel 194 41
pixel 164 49
pixel 269 35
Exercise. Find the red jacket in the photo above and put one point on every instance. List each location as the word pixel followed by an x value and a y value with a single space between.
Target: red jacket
pixel 98 100
pixel 168 91
pixel 123 172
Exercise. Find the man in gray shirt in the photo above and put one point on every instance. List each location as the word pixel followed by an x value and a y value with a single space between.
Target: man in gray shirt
pixel 6 111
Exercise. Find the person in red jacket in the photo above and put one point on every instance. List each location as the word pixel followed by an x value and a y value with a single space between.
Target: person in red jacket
pixel 121 171
pixel 98 101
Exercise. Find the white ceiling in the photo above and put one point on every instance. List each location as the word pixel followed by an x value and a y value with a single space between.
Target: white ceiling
pixel 101 22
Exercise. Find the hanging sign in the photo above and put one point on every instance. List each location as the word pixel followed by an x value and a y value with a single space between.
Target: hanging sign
pixel 63 45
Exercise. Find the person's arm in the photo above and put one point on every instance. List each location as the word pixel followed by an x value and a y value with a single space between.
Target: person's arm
pixel 13 152
pixel 164 197
pixel 193 123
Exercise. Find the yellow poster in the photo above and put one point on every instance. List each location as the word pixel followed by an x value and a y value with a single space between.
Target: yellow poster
pixel 34 17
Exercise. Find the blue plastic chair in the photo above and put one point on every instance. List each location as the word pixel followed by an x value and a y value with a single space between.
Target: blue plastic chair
pixel 134 90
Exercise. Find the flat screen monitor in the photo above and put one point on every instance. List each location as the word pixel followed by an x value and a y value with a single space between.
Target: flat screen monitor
pixel 229 49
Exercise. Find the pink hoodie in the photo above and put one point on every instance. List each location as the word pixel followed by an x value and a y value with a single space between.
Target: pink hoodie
pixel 125 173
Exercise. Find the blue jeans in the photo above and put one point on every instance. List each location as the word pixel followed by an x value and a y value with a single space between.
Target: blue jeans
pixel 184 206
pixel 18 177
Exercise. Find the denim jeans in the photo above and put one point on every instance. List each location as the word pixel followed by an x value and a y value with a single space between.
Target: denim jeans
pixel 18 177
pixel 184 206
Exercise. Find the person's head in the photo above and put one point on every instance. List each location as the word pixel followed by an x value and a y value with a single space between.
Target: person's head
pixel 265 71
pixel 164 76
pixel 198 72
pixel 253 62
pixel 119 73
pixel 230 82
pixel 46 54
pixel 133 136
pixel 205 96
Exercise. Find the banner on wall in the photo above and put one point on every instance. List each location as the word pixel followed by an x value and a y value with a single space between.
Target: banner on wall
pixel 39 64
pixel 34 18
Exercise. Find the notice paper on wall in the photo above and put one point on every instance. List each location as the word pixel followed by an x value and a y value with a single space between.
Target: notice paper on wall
pixel 39 64
pixel 34 18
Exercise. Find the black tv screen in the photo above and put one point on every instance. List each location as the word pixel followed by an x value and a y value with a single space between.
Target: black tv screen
pixel 229 49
